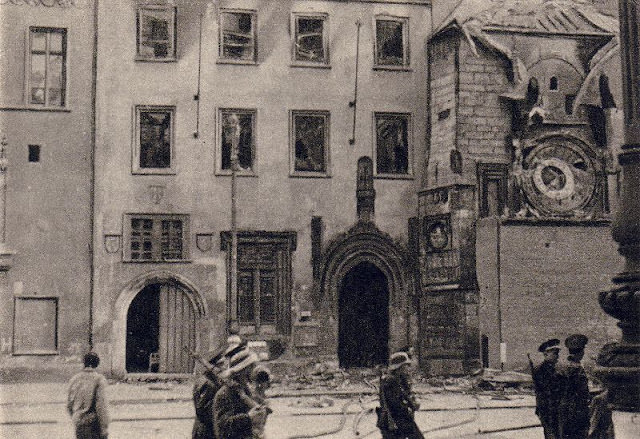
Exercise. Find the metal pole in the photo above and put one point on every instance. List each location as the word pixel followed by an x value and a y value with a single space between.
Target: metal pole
pixel 234 122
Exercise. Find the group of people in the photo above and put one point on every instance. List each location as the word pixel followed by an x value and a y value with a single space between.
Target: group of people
pixel 229 396
pixel 564 402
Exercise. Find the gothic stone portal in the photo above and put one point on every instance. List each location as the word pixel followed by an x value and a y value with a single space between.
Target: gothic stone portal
pixel 363 317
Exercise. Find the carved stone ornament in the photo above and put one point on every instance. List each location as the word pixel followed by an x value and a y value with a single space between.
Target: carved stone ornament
pixel 156 193
pixel 204 241
pixel 112 243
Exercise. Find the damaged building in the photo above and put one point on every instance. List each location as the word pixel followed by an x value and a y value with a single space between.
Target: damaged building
pixel 396 184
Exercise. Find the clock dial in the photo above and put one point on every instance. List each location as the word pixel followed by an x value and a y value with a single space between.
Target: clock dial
pixel 560 179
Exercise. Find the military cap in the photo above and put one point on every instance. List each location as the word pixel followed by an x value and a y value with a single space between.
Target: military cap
pixel 548 345
pixel 576 341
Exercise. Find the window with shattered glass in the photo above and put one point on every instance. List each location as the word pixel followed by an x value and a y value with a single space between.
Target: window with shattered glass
pixel 310 43
pixel 392 143
pixel 155 126
pixel 391 42
pixel 311 141
pixel 237 39
pixel 237 126
pixel 48 66
pixel 156 33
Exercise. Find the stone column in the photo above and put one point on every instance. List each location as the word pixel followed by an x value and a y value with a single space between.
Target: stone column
pixel 618 363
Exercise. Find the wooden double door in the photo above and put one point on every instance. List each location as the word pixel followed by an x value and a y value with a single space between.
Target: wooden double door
pixel 161 328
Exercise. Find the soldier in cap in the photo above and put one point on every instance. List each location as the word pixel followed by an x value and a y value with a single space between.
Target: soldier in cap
pixel 573 413
pixel 548 387
pixel 397 402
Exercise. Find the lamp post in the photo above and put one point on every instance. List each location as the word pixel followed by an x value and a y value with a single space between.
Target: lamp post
pixel 618 363
pixel 234 128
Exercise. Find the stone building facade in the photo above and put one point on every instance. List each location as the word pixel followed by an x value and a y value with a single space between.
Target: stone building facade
pixel 396 185
pixel 520 181
pixel 324 191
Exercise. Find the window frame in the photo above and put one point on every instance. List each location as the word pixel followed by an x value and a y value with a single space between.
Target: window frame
pixel 157 240
pixel 492 172
pixel 409 174
pixel 219 130
pixel 173 29
pixel 325 62
pixel 406 59
pixel 65 63
pixel 254 35
pixel 136 169
pixel 283 244
pixel 326 114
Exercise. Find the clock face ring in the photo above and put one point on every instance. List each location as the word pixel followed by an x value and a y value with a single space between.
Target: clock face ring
pixel 554 178
pixel 559 177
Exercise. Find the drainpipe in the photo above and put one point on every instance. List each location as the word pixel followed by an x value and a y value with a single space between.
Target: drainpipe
pixel 235 140
pixel 92 184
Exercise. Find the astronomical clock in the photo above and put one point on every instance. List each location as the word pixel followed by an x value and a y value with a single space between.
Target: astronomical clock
pixel 558 178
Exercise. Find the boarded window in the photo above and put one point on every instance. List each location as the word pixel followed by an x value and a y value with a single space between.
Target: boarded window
pixel 47 77
pixel 237 38
pixel 35 325
pixel 391 42
pixel 311 146
pixel 156 33
pixel 237 130
pixel 310 39
pixel 392 143
pixel 156 237
pixel 154 140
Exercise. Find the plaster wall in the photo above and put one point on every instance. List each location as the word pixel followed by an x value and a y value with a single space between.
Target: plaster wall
pixel 48 222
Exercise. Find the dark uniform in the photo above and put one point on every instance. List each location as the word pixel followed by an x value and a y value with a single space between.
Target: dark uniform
pixel 204 390
pixel 231 412
pixel 573 411
pixel 398 401
pixel 548 387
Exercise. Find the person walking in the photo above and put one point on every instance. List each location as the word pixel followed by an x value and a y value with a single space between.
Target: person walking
pixel 87 402
pixel 235 413
pixel 397 402
pixel 547 384
pixel 573 411
pixel 207 384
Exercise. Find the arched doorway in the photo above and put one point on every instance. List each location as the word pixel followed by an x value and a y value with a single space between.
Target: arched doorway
pixel 160 330
pixel 363 317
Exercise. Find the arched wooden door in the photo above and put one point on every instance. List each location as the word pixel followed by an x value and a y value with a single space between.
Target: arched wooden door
pixel 160 325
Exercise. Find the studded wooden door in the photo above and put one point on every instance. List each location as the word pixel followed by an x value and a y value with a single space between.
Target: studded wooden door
pixel 177 330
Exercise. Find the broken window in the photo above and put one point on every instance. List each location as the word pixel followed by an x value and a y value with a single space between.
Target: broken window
pixel 392 143
pixel 156 33
pixel 237 129
pixel 47 76
pixel 156 237
pixel 311 141
pixel 154 140
pixel 237 35
pixel 311 44
pixel 391 42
